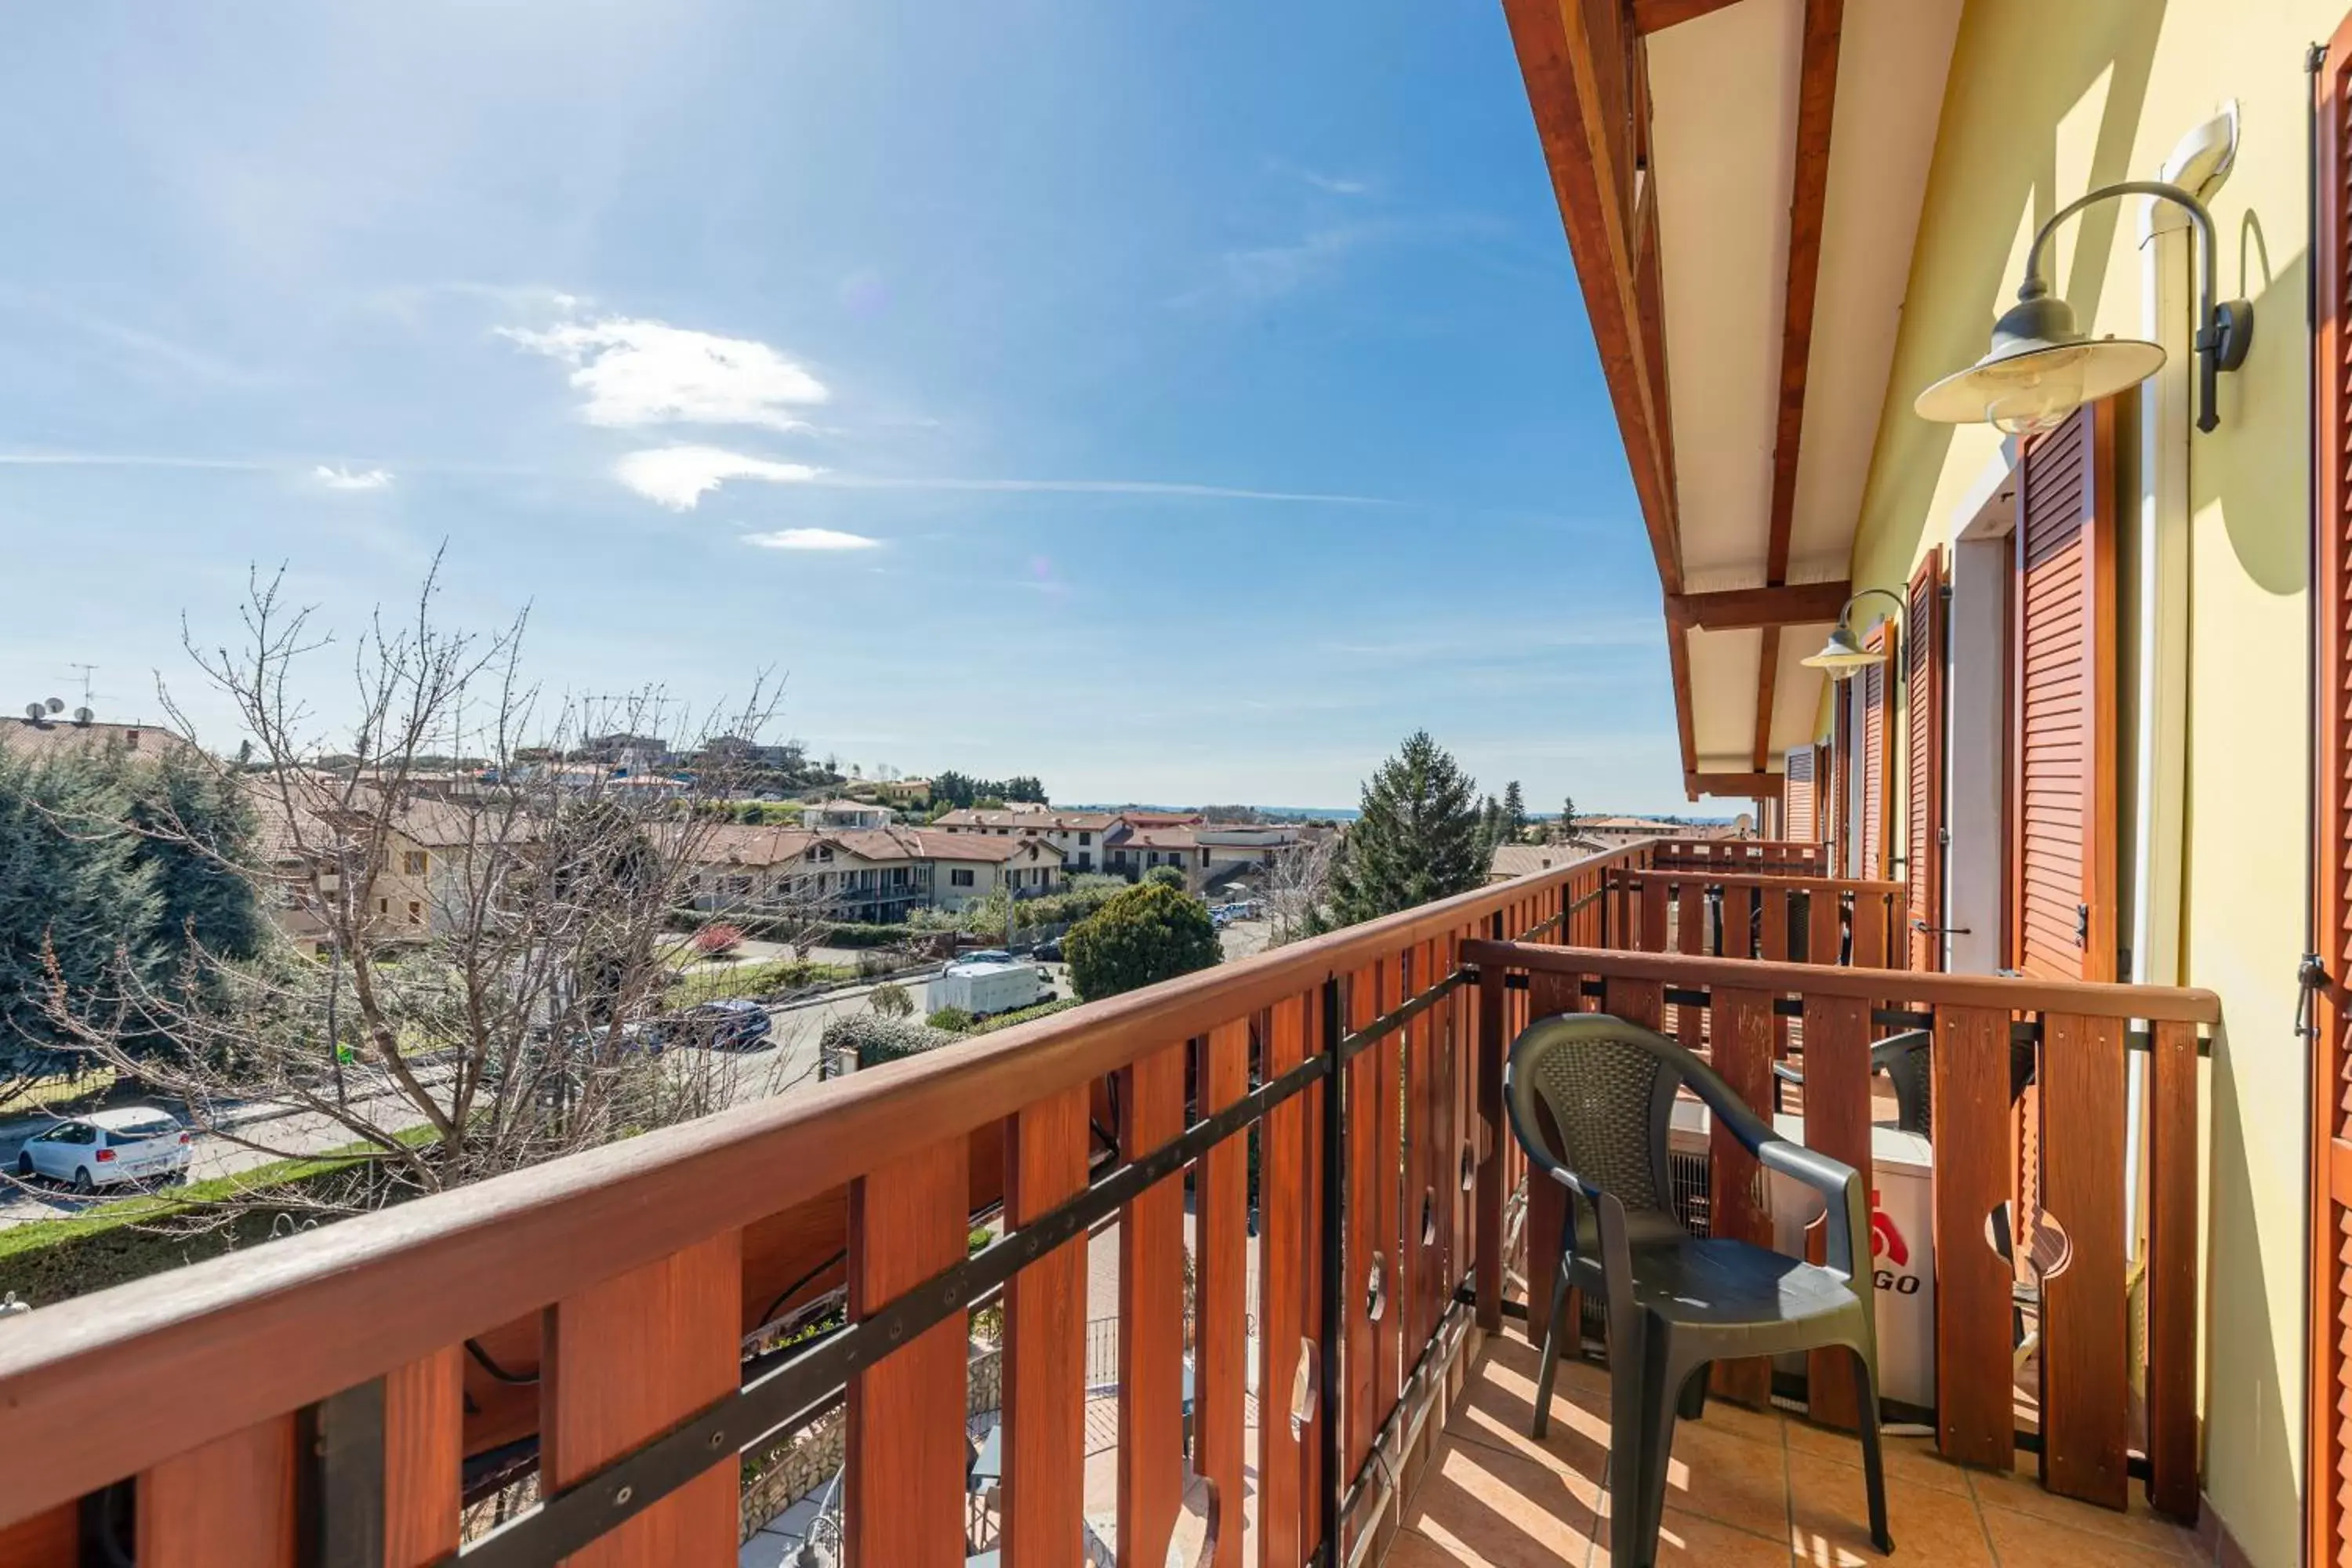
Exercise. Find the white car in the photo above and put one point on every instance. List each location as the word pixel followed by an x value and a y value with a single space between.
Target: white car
pixel 137 1143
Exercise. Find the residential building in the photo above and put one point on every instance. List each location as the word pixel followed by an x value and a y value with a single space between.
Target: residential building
pixel 902 792
pixel 829 816
pixel 1078 835
pixel 37 736
pixel 1526 859
pixel 871 875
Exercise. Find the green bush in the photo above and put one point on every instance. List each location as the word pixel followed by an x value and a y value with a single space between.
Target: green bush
pixel 889 1001
pixel 1165 877
pixel 1022 1015
pixel 871 1041
pixel 754 980
pixel 778 927
pixel 954 1020
pixel 1147 934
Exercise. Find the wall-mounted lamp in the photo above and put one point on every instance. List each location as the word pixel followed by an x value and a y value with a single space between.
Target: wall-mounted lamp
pixel 1843 657
pixel 2041 368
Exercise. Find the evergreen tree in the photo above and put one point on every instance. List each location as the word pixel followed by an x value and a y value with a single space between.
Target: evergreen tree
pixel 1567 817
pixel 72 885
pixel 1148 934
pixel 1419 836
pixel 1515 813
pixel 197 831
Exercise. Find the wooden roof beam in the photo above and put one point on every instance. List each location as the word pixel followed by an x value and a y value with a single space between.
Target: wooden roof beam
pixel 1808 195
pixel 1747 786
pixel 1791 605
pixel 1652 16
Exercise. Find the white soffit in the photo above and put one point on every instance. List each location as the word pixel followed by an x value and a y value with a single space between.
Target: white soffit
pixel 1892 59
pixel 1723 669
pixel 1723 90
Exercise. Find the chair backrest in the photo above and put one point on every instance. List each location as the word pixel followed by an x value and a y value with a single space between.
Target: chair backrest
pixel 1906 1061
pixel 1597 1095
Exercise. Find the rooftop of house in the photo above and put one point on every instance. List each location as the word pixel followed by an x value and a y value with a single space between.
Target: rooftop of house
pixel 1038 819
pixel 1156 838
pixel 49 736
pixel 736 844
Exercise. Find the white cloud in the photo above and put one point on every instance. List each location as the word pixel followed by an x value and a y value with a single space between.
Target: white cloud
pixel 636 373
pixel 810 539
pixel 343 478
pixel 678 477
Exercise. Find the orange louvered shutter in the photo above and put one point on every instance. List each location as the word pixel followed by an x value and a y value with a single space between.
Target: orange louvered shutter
pixel 1923 762
pixel 1874 751
pixel 2329 1423
pixel 2062 803
pixel 1797 818
pixel 1841 835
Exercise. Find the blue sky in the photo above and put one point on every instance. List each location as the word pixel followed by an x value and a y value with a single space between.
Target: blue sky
pixel 1179 403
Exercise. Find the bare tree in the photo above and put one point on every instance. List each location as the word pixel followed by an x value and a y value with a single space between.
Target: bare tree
pixel 1297 885
pixel 479 926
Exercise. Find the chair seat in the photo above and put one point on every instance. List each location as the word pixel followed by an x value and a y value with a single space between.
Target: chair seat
pixel 1718 1284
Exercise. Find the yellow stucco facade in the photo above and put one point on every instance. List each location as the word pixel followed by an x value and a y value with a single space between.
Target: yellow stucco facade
pixel 2045 100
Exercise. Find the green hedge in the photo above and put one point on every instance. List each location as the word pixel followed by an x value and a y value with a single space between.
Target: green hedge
pixel 777 927
pixel 1022 1015
pixel 52 1260
pixel 873 1040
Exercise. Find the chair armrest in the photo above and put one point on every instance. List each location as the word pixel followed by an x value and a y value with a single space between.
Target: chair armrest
pixel 1840 1184
pixel 1789 1072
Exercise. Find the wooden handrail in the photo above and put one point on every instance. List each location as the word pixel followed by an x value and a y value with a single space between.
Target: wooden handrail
pixel 1759 879
pixel 244 1338
pixel 2081 998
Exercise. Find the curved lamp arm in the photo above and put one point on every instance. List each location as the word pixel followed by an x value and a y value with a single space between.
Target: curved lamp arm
pixel 1845 615
pixel 2224 331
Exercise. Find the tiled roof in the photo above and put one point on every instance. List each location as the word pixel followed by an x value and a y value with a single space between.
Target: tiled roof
pixel 1155 839
pixel 24 735
pixel 1032 821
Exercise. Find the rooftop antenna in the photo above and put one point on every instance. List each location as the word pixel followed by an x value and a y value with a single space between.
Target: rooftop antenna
pixel 86 671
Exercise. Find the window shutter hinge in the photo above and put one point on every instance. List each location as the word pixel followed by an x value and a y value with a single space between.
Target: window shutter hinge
pixel 2083 926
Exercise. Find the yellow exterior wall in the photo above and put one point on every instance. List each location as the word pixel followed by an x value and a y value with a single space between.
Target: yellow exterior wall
pixel 2045 100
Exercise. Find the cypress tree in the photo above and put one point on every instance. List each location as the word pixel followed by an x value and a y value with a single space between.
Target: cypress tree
pixel 1419 837
pixel 203 882
pixel 1515 813
pixel 72 884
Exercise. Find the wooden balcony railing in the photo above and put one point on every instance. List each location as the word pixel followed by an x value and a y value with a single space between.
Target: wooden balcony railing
pixel 1780 917
pixel 602 1317
pixel 2103 1409
pixel 1751 856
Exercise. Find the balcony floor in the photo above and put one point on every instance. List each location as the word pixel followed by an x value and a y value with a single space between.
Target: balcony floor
pixel 1747 1488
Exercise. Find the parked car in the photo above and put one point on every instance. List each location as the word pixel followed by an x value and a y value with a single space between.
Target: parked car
pixel 730 1026
pixel 1048 952
pixel 107 1148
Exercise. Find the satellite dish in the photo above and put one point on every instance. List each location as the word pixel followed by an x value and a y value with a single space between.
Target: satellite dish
pixel 83 716
pixel 35 711
pixel 55 705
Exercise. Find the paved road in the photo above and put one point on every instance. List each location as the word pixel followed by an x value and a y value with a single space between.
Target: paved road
pixel 786 1059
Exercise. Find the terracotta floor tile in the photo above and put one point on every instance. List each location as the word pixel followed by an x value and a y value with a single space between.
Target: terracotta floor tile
pixel 1481 1505
pixel 2026 1540
pixel 1756 1425
pixel 1932 1529
pixel 1729 1479
pixel 1686 1540
pixel 1498 1405
pixel 1907 1458
pixel 2139 1526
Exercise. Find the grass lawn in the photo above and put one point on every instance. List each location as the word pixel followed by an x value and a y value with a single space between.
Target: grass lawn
pixel 146 1208
pixel 50 1091
pixel 754 979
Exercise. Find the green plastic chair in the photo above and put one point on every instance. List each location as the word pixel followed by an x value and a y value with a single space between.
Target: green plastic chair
pixel 1588 1097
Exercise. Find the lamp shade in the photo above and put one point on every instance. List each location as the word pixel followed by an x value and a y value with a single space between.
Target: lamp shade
pixel 2040 369
pixel 1842 655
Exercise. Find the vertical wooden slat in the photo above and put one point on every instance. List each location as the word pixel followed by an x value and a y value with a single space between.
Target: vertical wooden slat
pixel 1923 768
pixel 1548 993
pixel 1044 1501
pixel 1975 1425
pixel 1416 1264
pixel 1738 922
pixel 1639 1002
pixel 1690 931
pixel 1869 929
pixel 1742 1027
pixel 2084 1374
pixel 1773 943
pixel 1316 1439
pixel 423 1448
pixel 2172 1295
pixel 1361 1209
pixel 1837 1124
pixel 228 1504
pixel 632 1356
pixel 1823 933
pixel 1387 1179
pixel 1653 914
pixel 1151 1320
pixel 50 1540
pixel 1284 1261
pixel 1487 1223
pixel 1222 1283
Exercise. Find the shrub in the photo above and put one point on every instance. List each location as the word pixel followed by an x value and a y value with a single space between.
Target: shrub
pixel 889 1000
pixel 870 1041
pixel 1022 1015
pixel 1147 934
pixel 1165 877
pixel 955 1020
pixel 716 941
